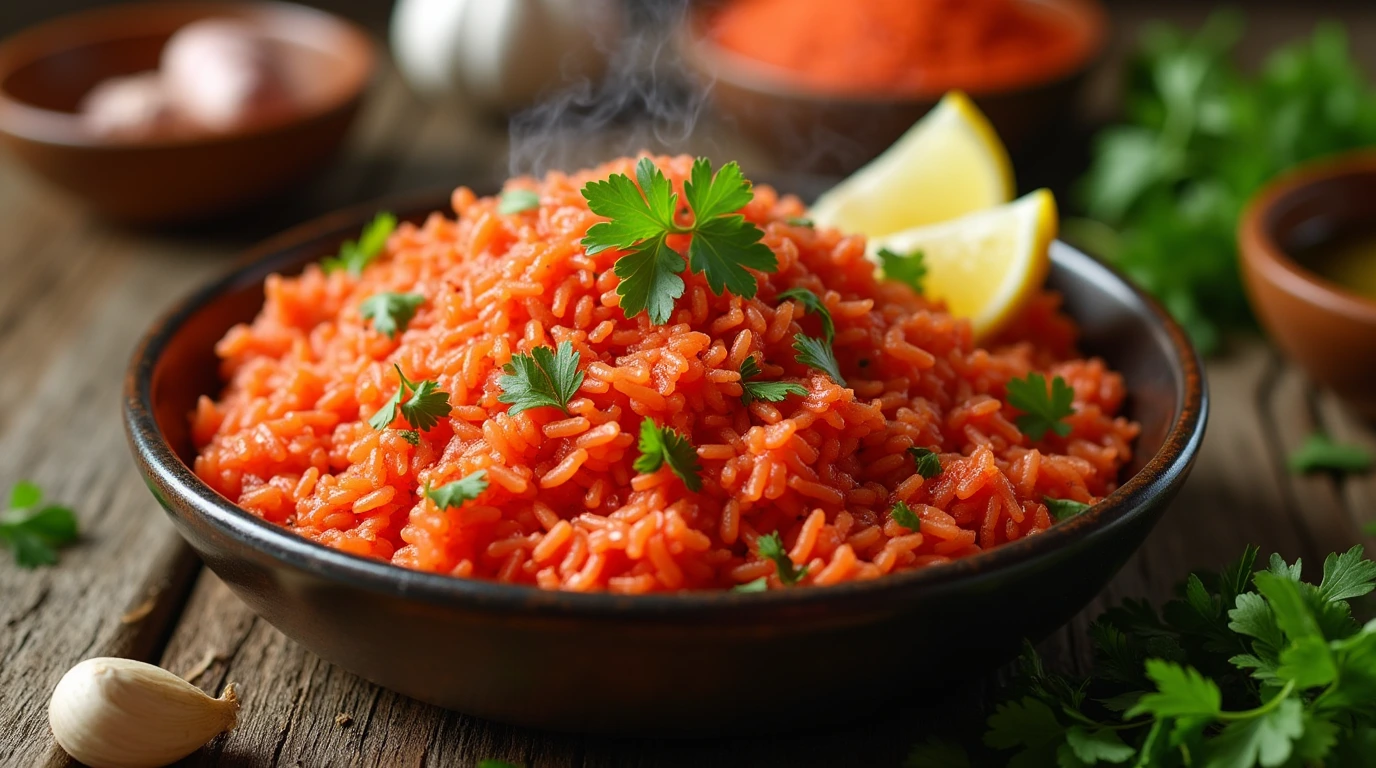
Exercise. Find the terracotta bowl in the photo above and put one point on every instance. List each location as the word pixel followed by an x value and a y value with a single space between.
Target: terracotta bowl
pixel 1328 330
pixel 46 70
pixel 836 133
pixel 680 664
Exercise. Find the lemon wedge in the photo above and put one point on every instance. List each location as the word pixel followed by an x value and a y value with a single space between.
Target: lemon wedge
pixel 986 264
pixel 948 164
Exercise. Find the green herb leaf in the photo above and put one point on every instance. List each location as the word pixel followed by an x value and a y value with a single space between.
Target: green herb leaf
pixel 771 547
pixel 1064 509
pixel 1264 740
pixel 905 517
pixel 1028 724
pixel 517 201
pixel 1042 412
pixel 453 495
pixel 813 303
pixel 907 268
pixel 817 353
pixel 723 247
pixel 1347 576
pixel 798 221
pixel 769 391
pixel 928 461
pixel 391 312
pixel 664 445
pixel 354 255
pixel 1321 453
pixel 33 532
pixel 1181 692
pixel 423 410
pixel 757 585
pixel 1100 744
pixel 544 377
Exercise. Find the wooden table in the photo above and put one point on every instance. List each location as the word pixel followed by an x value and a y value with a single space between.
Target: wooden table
pixel 74 295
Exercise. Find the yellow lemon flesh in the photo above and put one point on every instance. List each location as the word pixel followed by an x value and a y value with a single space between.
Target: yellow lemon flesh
pixel 948 164
pixel 986 264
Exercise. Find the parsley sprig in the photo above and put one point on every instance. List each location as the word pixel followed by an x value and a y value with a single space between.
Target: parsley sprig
pixel 391 312
pixel 423 410
pixel 34 530
pixel 1043 411
pixel 1243 669
pixel 1320 453
pixel 817 353
pixel 1064 509
pixel 771 391
pixel 453 495
pixel 904 267
pixel 354 255
pixel 905 516
pixel 724 246
pixel 664 445
pixel 544 377
pixel 813 303
pixel 771 547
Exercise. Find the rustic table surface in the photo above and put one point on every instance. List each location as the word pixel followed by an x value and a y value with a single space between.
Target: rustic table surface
pixel 76 292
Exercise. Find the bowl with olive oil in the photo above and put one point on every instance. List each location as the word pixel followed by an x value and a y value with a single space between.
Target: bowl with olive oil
pixel 1308 250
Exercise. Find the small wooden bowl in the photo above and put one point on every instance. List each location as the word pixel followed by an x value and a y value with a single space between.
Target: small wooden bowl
pixel 1327 329
pixel 47 69
pixel 835 133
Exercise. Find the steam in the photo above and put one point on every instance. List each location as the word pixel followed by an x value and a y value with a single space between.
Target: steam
pixel 642 102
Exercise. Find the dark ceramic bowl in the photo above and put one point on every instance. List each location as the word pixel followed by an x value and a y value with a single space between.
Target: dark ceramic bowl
pixel 837 132
pixel 46 70
pixel 1329 330
pixel 683 664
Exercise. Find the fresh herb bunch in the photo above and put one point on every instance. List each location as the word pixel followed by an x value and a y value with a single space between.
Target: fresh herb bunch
pixel 1241 669
pixel 1200 140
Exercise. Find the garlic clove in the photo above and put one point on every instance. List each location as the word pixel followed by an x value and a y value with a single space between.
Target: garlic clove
pixel 119 713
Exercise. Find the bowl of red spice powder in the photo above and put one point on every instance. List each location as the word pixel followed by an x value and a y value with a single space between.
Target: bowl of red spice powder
pixel 827 85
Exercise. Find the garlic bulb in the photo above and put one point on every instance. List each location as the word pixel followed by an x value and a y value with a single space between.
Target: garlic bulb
pixel 118 713
pixel 499 55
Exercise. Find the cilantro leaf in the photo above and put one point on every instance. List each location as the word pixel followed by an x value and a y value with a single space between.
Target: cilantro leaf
pixel 813 303
pixel 517 201
pixel 817 353
pixel 1181 692
pixel 1320 453
pixel 1347 576
pixel 544 377
pixel 649 280
pixel 391 312
pixel 34 533
pixel 769 391
pixel 771 547
pixel 453 495
pixel 723 247
pixel 757 585
pixel 928 461
pixel 711 195
pixel 1064 509
pixel 664 445
pixel 1100 744
pixel 423 410
pixel 1264 740
pixel 904 267
pixel 1287 602
pixel 1028 724
pixel 354 255
pixel 1041 412
pixel 905 517
pixel 636 213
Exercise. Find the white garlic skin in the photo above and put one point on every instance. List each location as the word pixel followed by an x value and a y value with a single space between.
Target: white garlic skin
pixel 225 74
pixel 119 713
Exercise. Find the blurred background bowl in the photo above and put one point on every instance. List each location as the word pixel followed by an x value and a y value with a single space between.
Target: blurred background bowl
pixel 795 123
pixel 46 70
pixel 1325 327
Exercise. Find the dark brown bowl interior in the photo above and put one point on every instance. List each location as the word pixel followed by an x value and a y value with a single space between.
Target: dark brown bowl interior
pixel 681 664
pixel 1326 328
pixel 46 70
pixel 836 133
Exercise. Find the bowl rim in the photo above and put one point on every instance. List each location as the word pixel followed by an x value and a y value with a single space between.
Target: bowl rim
pixel 30 122
pixel 742 71
pixel 1260 249
pixel 162 467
